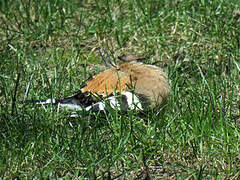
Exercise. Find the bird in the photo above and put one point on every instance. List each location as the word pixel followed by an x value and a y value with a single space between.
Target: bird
pixel 132 85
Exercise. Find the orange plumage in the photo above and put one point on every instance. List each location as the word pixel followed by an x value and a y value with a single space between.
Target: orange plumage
pixel 146 80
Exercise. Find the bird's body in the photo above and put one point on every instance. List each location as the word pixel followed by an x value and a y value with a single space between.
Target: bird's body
pixel 145 80
pixel 132 85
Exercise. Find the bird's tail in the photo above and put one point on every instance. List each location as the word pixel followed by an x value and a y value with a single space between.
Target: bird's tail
pixel 68 103
pixel 82 102
pixel 77 102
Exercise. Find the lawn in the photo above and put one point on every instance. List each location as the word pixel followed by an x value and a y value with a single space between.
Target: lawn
pixel 48 48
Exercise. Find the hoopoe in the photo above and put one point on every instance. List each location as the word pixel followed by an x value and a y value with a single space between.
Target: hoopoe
pixel 132 85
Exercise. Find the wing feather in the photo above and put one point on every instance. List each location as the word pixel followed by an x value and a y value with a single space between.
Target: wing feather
pixel 107 82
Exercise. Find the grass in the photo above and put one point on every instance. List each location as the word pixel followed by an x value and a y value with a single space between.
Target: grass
pixel 48 48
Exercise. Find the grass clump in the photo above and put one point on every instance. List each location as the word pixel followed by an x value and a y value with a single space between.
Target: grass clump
pixel 48 48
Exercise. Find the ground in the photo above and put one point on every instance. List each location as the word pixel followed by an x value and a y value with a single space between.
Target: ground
pixel 49 48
